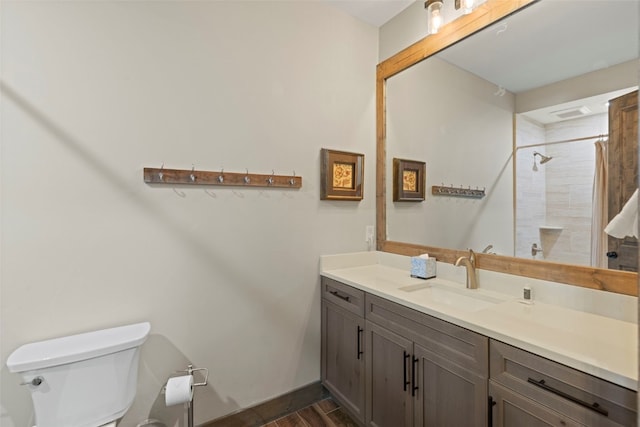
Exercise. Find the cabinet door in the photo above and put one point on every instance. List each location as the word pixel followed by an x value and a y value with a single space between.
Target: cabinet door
pixel 447 395
pixel 389 402
pixel 342 362
pixel 514 410
pixel 623 173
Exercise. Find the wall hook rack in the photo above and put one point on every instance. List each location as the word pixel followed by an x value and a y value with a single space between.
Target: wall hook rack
pixel 192 176
pixel 441 190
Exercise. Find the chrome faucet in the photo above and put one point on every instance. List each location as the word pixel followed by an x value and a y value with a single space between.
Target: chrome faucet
pixel 470 263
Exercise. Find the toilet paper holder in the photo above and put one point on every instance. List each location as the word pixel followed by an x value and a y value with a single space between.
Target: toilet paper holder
pixel 190 370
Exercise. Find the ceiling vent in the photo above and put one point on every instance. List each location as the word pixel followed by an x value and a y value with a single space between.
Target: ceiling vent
pixel 571 113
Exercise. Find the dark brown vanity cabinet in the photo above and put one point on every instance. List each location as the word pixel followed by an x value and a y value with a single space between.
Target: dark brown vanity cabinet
pixel 422 371
pixel 529 390
pixel 343 358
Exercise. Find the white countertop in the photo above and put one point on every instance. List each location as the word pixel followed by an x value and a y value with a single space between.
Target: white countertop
pixel 598 345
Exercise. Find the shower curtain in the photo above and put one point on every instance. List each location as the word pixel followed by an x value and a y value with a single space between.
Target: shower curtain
pixel 599 217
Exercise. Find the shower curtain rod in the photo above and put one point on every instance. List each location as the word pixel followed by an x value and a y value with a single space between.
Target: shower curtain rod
pixel 586 138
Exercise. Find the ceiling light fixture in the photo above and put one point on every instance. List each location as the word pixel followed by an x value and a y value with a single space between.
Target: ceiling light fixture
pixel 434 12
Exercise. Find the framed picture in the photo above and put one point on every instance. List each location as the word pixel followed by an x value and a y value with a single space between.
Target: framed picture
pixel 409 180
pixel 341 175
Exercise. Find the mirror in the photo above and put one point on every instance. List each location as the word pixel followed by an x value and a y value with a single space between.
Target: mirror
pixel 455 111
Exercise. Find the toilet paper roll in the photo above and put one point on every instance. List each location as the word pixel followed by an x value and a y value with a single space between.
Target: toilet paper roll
pixel 179 390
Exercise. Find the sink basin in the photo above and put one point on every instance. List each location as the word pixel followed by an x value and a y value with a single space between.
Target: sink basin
pixel 461 299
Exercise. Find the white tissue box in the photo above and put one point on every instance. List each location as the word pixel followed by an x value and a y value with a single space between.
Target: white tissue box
pixel 423 268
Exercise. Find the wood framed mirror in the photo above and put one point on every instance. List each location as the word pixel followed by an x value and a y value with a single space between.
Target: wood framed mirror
pixel 485 15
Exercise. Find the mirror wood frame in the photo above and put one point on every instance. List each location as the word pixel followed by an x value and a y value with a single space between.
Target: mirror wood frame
pixel 622 282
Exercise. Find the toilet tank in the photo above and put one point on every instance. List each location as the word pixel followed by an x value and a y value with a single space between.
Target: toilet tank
pixel 84 380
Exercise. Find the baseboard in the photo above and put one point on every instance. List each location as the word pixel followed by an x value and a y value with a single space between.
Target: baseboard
pixel 273 409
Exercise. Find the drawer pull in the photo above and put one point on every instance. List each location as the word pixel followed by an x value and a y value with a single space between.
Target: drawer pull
pixel 336 294
pixel 595 406
pixel 360 330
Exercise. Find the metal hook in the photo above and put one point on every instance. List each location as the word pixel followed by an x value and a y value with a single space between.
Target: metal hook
pixel 247 180
pixel 270 179
pixel 160 174
pixel 292 181
pixel 221 176
pixel 193 176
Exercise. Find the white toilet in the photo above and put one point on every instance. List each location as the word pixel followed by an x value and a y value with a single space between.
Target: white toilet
pixel 85 380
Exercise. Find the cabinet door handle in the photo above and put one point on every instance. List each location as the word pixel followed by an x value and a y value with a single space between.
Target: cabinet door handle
pixel 405 357
pixel 414 376
pixel 595 406
pixel 492 403
pixel 336 294
pixel 360 330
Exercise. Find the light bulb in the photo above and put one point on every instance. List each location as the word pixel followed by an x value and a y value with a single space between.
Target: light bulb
pixel 436 21
pixel 468 6
pixel 434 16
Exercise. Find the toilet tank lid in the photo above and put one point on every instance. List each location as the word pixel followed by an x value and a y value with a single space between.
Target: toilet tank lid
pixel 58 351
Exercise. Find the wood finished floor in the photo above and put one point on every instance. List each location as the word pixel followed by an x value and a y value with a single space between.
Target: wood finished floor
pixel 325 413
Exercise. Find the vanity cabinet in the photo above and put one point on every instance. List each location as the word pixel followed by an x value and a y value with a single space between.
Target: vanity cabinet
pixel 529 390
pixel 422 371
pixel 391 366
pixel 342 359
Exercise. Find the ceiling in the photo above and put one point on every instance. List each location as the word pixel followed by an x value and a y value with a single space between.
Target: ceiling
pixel 550 41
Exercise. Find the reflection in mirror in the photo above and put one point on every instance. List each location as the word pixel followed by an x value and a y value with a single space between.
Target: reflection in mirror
pixel 455 111
pixel 456 123
pixel 559 201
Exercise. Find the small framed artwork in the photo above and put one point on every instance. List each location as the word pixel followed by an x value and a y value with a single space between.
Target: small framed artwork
pixel 341 175
pixel 409 180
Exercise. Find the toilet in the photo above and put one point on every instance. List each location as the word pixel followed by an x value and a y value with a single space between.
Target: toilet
pixel 84 380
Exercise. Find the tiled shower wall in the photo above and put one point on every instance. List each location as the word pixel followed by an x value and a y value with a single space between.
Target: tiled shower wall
pixel 567 181
pixel 530 188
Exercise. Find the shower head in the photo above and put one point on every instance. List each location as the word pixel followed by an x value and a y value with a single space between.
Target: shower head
pixel 543 159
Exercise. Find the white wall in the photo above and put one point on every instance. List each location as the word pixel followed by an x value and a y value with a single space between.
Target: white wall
pixel 609 79
pixel 93 92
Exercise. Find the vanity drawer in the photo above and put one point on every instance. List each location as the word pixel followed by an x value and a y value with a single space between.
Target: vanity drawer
pixel 582 397
pixel 458 345
pixel 345 296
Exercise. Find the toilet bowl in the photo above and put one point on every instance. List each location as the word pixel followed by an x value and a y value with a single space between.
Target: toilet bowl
pixel 84 380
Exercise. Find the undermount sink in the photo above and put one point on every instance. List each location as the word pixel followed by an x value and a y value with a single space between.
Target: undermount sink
pixel 462 299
